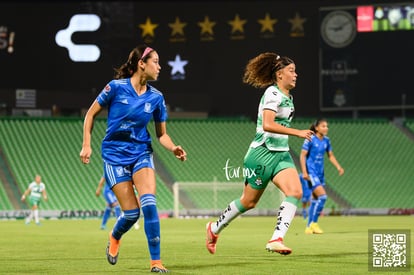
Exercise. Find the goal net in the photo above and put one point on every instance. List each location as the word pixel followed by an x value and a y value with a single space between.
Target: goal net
pixel 210 198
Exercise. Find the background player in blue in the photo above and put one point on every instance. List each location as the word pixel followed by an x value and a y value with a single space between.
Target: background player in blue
pixel 306 195
pixel 111 202
pixel 312 165
pixel 126 147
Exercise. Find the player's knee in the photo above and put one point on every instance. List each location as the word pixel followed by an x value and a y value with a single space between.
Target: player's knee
pixel 132 215
pixel 249 204
pixel 323 198
pixel 297 194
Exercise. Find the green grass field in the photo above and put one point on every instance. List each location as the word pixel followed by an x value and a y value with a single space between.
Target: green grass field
pixel 78 247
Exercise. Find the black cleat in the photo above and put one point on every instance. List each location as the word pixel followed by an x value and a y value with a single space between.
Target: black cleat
pixel 159 268
pixel 112 259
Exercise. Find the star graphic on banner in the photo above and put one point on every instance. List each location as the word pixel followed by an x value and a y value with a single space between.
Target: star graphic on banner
pixel 206 26
pixel 297 23
pixel 177 65
pixel 237 24
pixel 267 23
pixel 148 28
pixel 177 27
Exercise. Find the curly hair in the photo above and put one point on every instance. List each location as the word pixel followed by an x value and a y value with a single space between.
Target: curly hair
pixel 260 70
pixel 131 66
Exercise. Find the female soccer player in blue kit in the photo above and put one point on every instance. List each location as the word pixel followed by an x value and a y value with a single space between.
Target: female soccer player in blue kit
pixel 126 147
pixel 306 195
pixel 312 165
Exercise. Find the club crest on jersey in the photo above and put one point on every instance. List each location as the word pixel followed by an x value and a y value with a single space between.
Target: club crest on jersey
pixel 119 171
pixel 147 107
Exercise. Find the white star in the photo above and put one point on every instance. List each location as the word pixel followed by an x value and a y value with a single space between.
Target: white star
pixel 177 65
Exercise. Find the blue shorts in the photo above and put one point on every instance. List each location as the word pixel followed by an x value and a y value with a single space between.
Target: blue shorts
pixel 120 173
pixel 306 189
pixel 110 197
pixel 316 181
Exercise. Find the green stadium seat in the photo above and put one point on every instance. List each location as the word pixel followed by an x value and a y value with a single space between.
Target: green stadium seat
pixel 5 203
pixel 376 155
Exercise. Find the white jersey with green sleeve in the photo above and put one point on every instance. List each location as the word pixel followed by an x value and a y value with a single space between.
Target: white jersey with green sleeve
pixel 36 190
pixel 275 100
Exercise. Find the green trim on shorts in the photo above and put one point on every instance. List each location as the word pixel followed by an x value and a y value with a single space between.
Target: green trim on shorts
pixel 34 200
pixel 261 165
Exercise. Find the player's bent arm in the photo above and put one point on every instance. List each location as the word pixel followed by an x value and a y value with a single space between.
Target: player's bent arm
pixel 269 125
pixel 25 194
pixel 44 195
pixel 86 151
pixel 302 160
pixel 166 141
pixel 163 137
pixel 100 185
pixel 335 162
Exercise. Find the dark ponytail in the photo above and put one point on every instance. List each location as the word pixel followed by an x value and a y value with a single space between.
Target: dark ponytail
pixel 131 65
pixel 316 124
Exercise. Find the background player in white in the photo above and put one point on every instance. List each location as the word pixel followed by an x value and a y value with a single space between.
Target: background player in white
pixel 37 189
pixel 268 155
pixel 312 165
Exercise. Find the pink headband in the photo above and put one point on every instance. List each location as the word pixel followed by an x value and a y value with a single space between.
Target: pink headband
pixel 146 52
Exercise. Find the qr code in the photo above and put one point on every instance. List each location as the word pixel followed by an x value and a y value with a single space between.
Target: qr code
pixel 389 249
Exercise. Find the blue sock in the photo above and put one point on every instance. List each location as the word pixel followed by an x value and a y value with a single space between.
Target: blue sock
pixel 118 211
pixel 319 207
pixel 151 224
pixel 311 211
pixel 125 222
pixel 106 215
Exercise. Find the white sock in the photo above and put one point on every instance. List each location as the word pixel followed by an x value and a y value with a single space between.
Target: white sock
pixel 36 215
pixel 229 214
pixel 30 217
pixel 285 216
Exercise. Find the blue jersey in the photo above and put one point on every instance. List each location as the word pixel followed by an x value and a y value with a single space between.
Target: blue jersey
pixel 128 115
pixel 316 152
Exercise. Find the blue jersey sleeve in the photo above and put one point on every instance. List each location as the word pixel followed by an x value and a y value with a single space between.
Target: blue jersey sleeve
pixel 106 94
pixel 328 145
pixel 306 145
pixel 160 113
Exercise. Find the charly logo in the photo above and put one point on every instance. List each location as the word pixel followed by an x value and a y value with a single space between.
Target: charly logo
pixel 80 52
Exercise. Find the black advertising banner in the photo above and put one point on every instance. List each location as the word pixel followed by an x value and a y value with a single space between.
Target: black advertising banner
pixel 66 50
pixel 63 53
pixel 338 71
pixel 365 52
